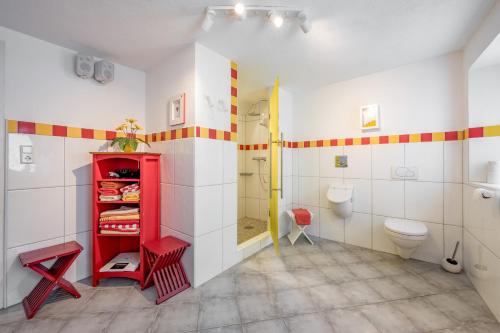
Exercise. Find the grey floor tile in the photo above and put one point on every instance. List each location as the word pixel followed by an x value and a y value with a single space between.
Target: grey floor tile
pixel 177 317
pixel 106 300
pixel 282 281
pixel 331 247
pixel 267 326
pixel 472 297
pixel 11 327
pixel 459 309
pixel 60 303
pixel 272 265
pixel 141 298
pixel 217 312
pixel 424 315
pixel 296 301
pixel 369 255
pixel 257 307
pixel 310 277
pixel 250 265
pixel 484 328
pixel 191 295
pixel 419 267
pixel 225 329
pixel 13 313
pixel 314 322
pixel 345 257
pixel 389 289
pixel 338 273
pixel 219 286
pixel 359 292
pixel 46 325
pixel 328 296
pixel 386 318
pixel 390 267
pixel 321 259
pixel 415 284
pixel 133 321
pixel 364 271
pixel 289 251
pixel 88 323
pixel 299 261
pixel 250 284
pixel 350 321
pixel 446 281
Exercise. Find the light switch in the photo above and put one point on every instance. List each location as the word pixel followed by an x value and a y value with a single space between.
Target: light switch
pixel 26 154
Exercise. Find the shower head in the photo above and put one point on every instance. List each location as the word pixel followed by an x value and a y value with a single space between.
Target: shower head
pixel 256 110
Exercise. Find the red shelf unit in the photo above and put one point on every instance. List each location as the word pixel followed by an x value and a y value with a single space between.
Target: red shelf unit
pixel 106 247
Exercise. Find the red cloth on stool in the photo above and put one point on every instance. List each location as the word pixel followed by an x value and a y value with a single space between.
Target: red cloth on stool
pixel 302 216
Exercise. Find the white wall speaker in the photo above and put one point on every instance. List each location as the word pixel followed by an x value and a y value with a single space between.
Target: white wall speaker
pixel 104 71
pixel 84 66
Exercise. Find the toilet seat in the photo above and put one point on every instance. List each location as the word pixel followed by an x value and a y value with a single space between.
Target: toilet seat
pixel 405 227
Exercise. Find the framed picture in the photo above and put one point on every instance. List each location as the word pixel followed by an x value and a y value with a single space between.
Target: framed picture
pixel 370 118
pixel 177 110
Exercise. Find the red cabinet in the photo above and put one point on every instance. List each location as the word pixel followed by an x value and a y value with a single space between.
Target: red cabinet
pixel 106 246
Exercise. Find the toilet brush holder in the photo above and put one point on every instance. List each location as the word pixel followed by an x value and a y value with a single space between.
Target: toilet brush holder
pixel 450 264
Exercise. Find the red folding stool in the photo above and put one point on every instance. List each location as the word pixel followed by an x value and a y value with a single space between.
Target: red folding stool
pixel 165 268
pixel 51 277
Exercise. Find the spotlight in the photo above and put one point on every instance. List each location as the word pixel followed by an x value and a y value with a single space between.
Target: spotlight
pixel 305 24
pixel 208 21
pixel 276 19
pixel 239 8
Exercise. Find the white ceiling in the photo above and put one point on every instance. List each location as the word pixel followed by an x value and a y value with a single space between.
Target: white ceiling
pixel 349 37
pixel 490 56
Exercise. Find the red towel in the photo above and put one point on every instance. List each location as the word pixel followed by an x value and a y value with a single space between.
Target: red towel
pixel 108 191
pixel 302 216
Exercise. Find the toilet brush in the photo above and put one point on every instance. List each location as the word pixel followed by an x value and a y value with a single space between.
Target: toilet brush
pixel 450 264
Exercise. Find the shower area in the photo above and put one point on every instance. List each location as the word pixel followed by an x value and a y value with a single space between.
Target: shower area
pixel 253 171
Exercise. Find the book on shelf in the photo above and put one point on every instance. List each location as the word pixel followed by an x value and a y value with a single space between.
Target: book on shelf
pixel 123 262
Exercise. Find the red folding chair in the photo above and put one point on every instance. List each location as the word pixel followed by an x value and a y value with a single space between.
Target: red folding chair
pixel 64 254
pixel 165 268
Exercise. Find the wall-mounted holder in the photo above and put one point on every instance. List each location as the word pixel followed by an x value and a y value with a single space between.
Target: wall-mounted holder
pixel 246 174
pixel 341 161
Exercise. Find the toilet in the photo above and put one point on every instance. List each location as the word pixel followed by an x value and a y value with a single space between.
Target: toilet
pixel 406 235
pixel 340 195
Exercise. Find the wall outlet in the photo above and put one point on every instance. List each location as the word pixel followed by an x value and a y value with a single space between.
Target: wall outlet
pixel 341 161
pixel 401 172
pixel 26 154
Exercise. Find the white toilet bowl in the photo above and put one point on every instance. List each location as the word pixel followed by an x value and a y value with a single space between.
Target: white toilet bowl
pixel 406 235
pixel 340 195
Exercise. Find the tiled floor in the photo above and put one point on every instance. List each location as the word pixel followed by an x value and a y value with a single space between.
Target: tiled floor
pixel 249 228
pixel 328 287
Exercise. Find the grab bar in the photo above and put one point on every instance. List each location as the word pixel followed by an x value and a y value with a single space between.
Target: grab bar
pixel 270 165
pixel 281 166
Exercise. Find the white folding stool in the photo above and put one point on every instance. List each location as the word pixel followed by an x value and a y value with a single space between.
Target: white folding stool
pixel 298 229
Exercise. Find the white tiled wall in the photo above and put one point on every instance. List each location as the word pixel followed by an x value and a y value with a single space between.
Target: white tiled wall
pixel 433 198
pixel 48 202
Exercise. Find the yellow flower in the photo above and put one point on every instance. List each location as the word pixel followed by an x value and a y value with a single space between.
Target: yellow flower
pixel 131 120
pixel 138 127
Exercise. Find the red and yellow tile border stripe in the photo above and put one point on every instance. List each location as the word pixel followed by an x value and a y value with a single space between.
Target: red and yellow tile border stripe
pixel 25 127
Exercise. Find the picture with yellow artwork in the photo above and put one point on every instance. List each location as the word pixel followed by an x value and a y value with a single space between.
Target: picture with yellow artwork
pixel 370 117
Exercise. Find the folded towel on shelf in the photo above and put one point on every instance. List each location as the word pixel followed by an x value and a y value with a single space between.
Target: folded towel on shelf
pixel 113 232
pixel 108 191
pixel 302 216
pixel 131 196
pixel 123 210
pixel 113 185
pixel 110 197
pixel 122 222
pixel 120 227
pixel 130 217
pixel 130 188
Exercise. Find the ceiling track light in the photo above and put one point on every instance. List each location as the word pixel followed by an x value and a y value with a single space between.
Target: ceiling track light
pixel 275 14
pixel 208 21
pixel 276 19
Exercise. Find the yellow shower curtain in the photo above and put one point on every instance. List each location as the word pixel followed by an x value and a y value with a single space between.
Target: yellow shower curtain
pixel 274 138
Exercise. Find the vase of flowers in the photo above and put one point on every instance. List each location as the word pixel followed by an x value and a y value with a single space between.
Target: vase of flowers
pixel 129 142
